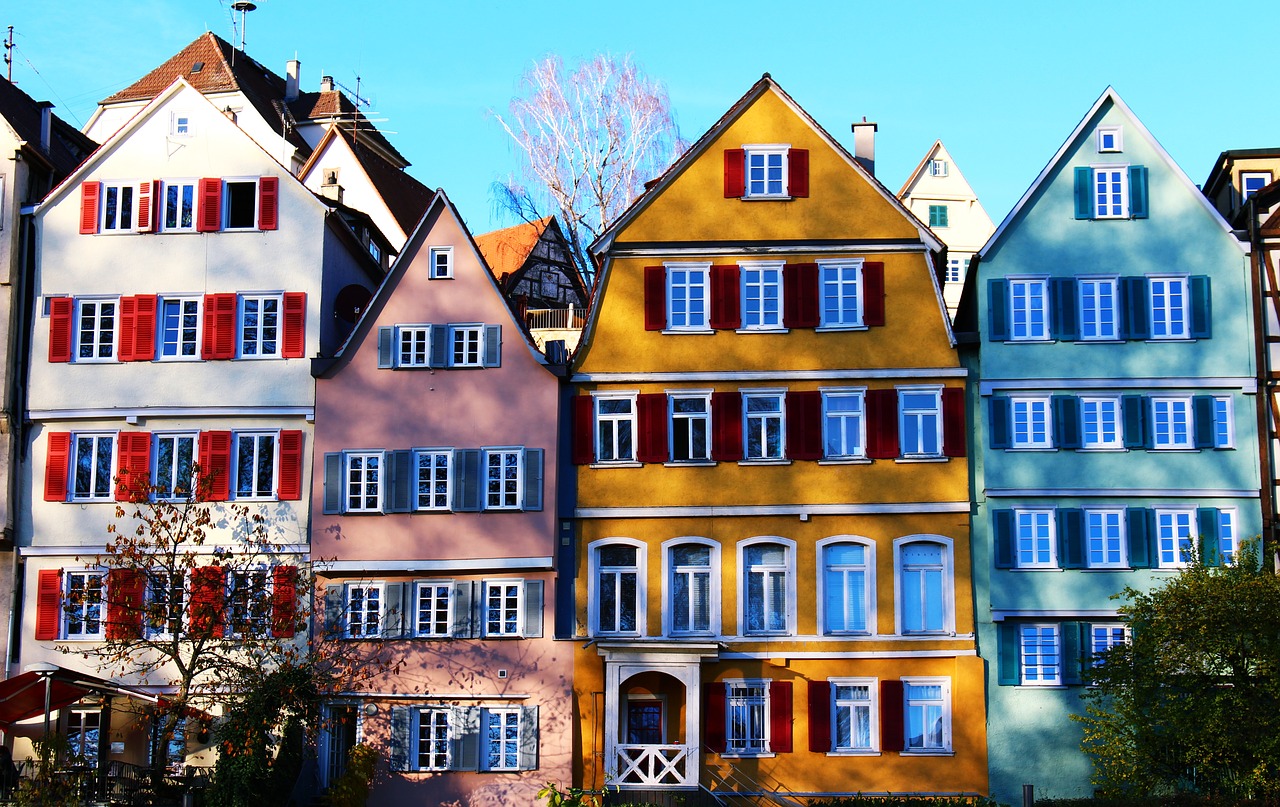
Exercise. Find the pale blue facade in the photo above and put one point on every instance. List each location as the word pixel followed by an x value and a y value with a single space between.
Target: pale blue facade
pixel 1114 424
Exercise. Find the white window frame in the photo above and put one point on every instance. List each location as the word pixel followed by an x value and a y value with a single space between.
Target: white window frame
pixel 441 262
pixel 429 592
pixel 850 420
pixel 181 124
pixel 921 415
pixel 868 569
pixel 83 725
pixel 669 573
pixel 841 286
pixel 186 198
pixel 618 422
pixel 1103 636
pixel 788 569
pixel 937 168
pixel 685 282
pixel 257 436
pixel 1099 300
pixel 227 182
pixel 161 603
pixel 366 614
pixel 762 425
pixel 738 696
pixel 757 280
pixel 687 423
pixel 1030 422
pixel 261 330
pixel 598 570
pixel 169 478
pixel 503 715
pixel 510 493
pixel 1164 312
pixel 466 344
pixel 948 593
pixel 251 609
pixel 1224 422
pixel 944 701
pixel 1106 182
pixel 1035 538
pixel 1111 539
pixel 872 707
pixel 1171 544
pixel 1245 176
pixel 765 151
pixel 433 454
pixel 510 588
pixel 1171 414
pixel 417 340
pixel 84 611
pixel 1100 416
pixel 954 272
pixel 113 224
pixel 94 494
pixel 358 475
pixel 1040 654
pixel 184 337
pixel 1024 292
pixel 420 721
pixel 101 336
pixel 1227 538
pixel 1116 133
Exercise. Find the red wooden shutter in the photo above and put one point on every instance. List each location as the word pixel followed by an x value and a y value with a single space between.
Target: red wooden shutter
pixel 652 413
pixel 726 426
pixel 128 328
pixel 144 327
pixel 804 425
pixel 726 297
pixel 873 293
pixel 268 202
pixel 800 304
pixel 289 488
pixel 882 424
pixel 48 604
pixel 891 709
pixel 798 172
pixel 133 474
pixel 735 173
pixel 819 716
pixel 124 603
pixel 953 425
pixel 583 415
pixel 61 312
pixel 219 327
pixel 208 599
pixel 716 696
pixel 215 466
pixel 147 197
pixel 90 195
pixel 655 298
pixel 284 601
pixel 780 717
pixel 295 325
pixel 57 467
pixel 209 216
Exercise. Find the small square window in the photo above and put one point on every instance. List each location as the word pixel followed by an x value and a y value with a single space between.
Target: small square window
pixel 1253 181
pixel 181 124
pixel 441 262
pixel 937 168
pixel 1110 139
pixel 766 171
pixel 938 215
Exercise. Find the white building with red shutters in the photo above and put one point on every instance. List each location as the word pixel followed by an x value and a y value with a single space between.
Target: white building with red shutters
pixel 184 281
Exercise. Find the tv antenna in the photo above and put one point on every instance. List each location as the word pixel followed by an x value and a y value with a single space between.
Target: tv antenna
pixel 8 55
pixel 244 7
pixel 359 102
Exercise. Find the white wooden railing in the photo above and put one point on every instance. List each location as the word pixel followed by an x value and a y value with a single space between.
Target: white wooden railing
pixel 656 766
pixel 557 319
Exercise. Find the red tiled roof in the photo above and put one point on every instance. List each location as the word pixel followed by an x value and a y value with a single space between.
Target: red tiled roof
pixel 67 146
pixel 507 250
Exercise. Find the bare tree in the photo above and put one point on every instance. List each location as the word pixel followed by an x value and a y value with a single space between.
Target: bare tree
pixel 589 140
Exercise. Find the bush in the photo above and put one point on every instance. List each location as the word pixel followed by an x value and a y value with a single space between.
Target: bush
pixel 352 787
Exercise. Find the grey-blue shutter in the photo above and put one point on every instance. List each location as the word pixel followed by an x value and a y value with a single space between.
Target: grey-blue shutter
pixel 465 622
pixel 1138 526
pixel 1071 552
pixel 1210 546
pixel 466 744
pixel 334 612
pixel 1084 192
pixel 468 488
pixel 333 487
pixel 1009 672
pixel 386 347
pixel 1001 415
pixel 400 740
pixel 998 309
pixel 532 608
pixel 528 738
pixel 493 346
pixel 1136 425
pixel 1063 323
pixel 1201 308
pixel 393 610
pixel 1072 644
pixel 1066 421
pixel 1135 322
pixel 1002 528
pixel 440 346
pixel 402 482
pixel 1138 196
pixel 1203 426
pixel 533 458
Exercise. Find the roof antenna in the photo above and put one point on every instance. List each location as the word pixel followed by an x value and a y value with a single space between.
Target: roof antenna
pixel 8 54
pixel 244 7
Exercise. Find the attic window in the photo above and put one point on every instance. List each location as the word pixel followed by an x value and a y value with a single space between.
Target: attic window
pixel 1110 139
pixel 197 67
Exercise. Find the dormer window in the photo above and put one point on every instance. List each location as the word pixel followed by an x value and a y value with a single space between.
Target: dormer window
pixel 1110 139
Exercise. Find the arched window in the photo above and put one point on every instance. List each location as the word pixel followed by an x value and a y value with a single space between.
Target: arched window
pixel 924 586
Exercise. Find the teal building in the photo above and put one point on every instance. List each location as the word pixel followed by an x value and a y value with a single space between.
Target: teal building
pixel 1108 324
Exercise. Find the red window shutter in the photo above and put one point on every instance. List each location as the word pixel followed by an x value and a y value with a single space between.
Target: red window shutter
pixel 798 172
pixel 209 216
pixel 584 447
pixel 48 604
pixel 819 716
pixel 208 600
pixel 716 698
pixel 882 424
pixel 284 601
pixel 133 474
pixel 652 411
pixel 90 196
pixel 873 293
pixel 804 425
pixel 800 296
pixel 268 203
pixel 219 327
pixel 953 425
pixel 215 466
pixel 124 603
pixel 57 467
pixel 61 313
pixel 146 207
pixel 295 325
pixel 735 173
pixel 290 485
pixel 655 298
pixel 726 297
pixel 128 328
pixel 780 717
pixel 891 708
pixel 144 327
pixel 726 426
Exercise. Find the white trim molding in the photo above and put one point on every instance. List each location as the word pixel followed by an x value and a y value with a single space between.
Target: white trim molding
pixel 1247 385
pixel 923 374
pixel 306 412
pixel 1118 493
pixel 803 510
pixel 467 564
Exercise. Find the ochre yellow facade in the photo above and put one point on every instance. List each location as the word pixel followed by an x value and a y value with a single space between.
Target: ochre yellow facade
pixel 661 709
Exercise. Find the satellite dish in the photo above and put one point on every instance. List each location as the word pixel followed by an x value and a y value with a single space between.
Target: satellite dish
pixel 351 303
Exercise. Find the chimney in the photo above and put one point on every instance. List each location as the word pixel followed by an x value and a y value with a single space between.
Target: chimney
pixel 291 71
pixel 333 192
pixel 864 144
pixel 326 84
pixel 46 125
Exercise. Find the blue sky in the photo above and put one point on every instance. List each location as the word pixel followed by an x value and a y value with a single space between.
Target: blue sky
pixel 1001 83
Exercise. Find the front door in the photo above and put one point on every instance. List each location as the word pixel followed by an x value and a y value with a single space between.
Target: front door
pixel 644 722
pixel 342 738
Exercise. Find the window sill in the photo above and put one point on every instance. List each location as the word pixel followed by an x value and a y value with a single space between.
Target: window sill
pixel 1102 449
pixel 918 752
pixel 1175 449
pixel 1099 341
pixel 764 462
pixel 840 328
pixel 98 638
pixel 624 464
pixel 747 755
pixel 1043 449
pixel 93 501
pixel 1037 569
pixel 1106 569
pixel 766 198
pixel 1041 686
pixel 849 461
pixel 1155 340
pixel 1045 341
pixel 922 459
pixel 852 753
pixel 763 330
pixel 690 464
pixel 687 331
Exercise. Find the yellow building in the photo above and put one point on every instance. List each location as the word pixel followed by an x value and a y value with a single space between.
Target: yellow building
pixel 773 548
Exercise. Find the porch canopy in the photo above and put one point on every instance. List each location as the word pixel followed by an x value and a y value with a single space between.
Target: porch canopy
pixel 23 696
